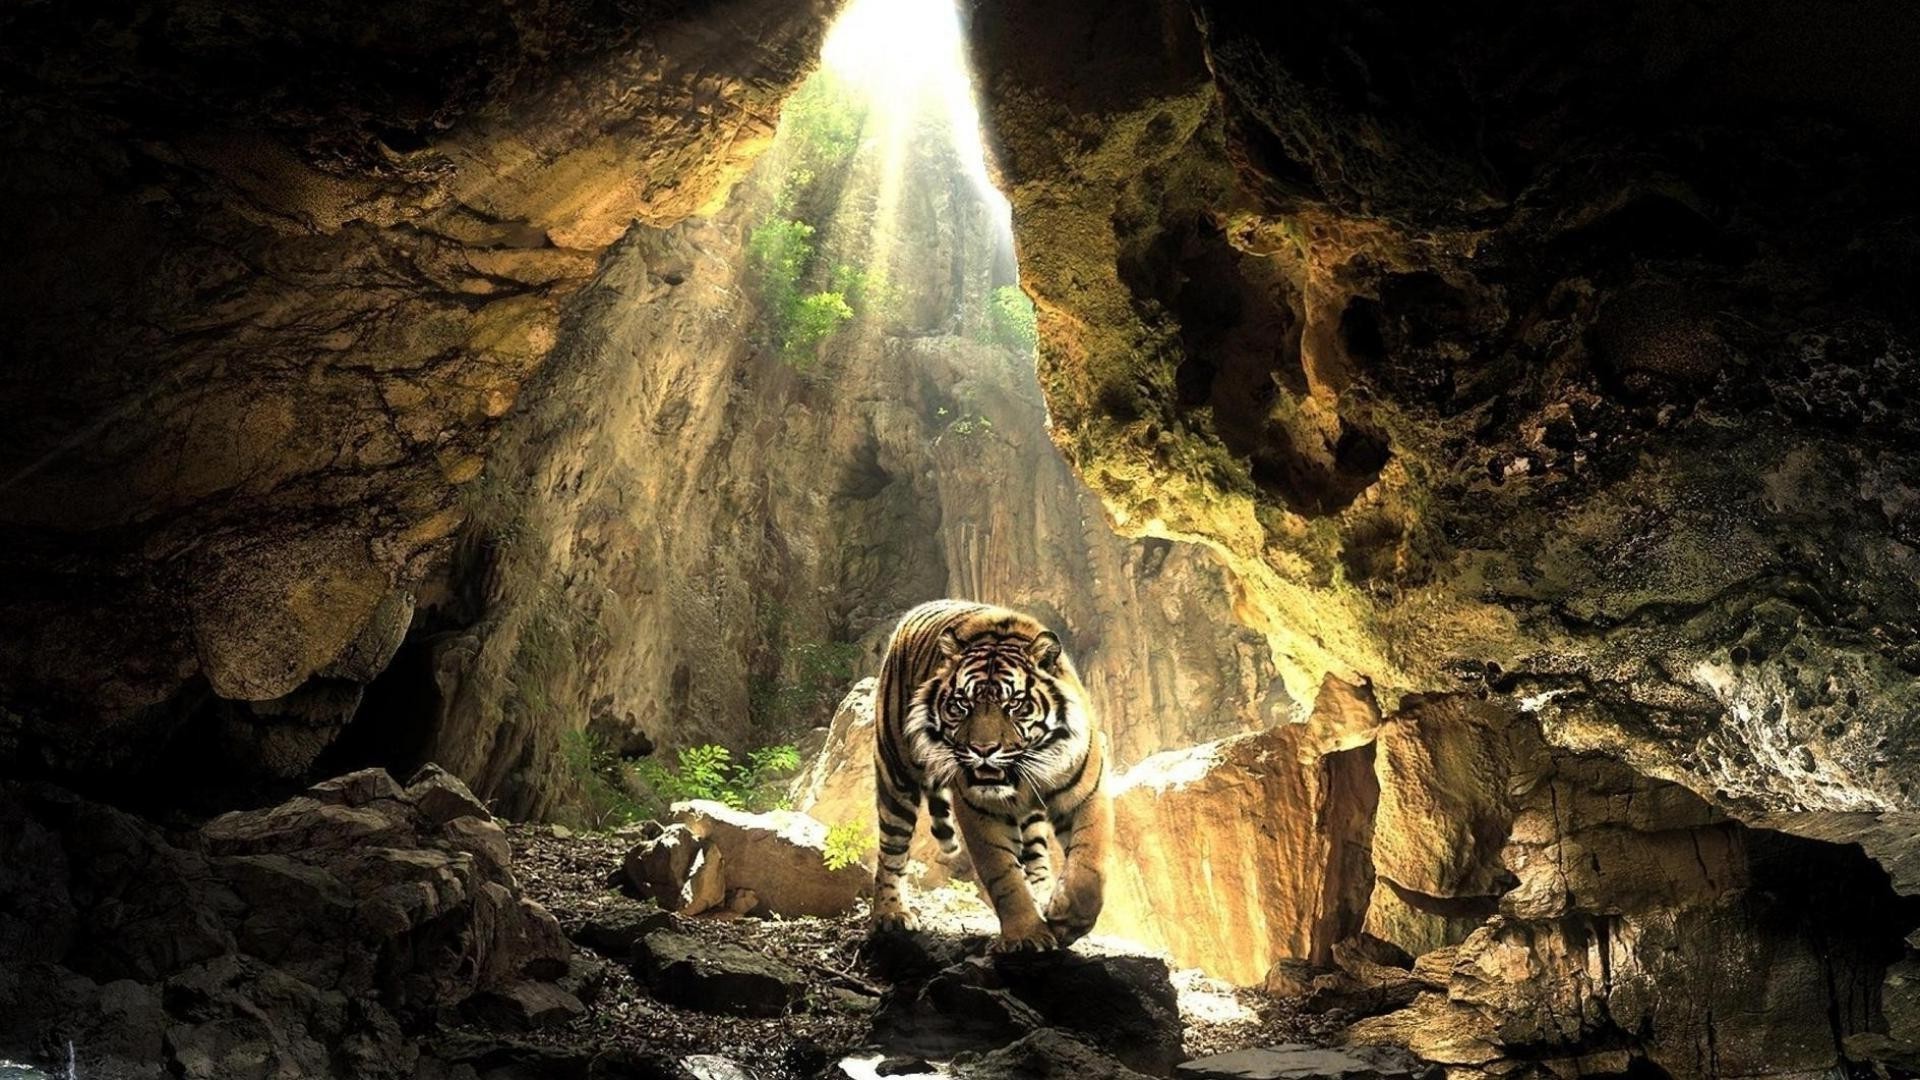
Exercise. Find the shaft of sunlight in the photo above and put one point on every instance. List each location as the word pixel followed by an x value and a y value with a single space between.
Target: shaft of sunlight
pixel 908 60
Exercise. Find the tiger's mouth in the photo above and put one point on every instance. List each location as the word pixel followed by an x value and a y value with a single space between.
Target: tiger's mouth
pixel 987 774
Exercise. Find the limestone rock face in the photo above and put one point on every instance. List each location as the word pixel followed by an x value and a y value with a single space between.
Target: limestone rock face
pixel 286 936
pixel 723 540
pixel 1608 427
pixel 1500 899
pixel 1234 854
pixel 286 276
pixel 1229 855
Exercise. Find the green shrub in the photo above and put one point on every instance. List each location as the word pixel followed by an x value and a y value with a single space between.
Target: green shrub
pixel 1011 319
pixel 709 772
pixel 848 844
pixel 602 779
pixel 813 318
pixel 780 249
pixel 813 676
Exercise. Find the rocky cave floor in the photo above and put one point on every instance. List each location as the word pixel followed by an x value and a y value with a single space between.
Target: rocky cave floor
pixel 574 874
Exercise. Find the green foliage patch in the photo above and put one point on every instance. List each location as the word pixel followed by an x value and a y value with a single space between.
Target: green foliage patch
pixel 1011 320
pixel 709 772
pixel 848 844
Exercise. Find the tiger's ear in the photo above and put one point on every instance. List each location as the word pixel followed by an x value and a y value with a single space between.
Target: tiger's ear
pixel 1045 650
pixel 950 646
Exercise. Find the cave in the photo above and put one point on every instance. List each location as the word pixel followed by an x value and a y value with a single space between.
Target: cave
pixel 1423 498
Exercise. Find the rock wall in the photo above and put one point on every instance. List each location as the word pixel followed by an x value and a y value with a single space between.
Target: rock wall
pixel 1579 388
pixel 287 271
pixel 1602 404
pixel 685 538
pixel 313 938
pixel 1554 907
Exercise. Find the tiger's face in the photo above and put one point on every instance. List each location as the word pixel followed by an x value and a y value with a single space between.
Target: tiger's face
pixel 997 712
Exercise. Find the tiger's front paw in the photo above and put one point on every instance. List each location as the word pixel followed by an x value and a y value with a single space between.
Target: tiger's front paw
pixel 893 916
pixel 1037 938
pixel 1068 921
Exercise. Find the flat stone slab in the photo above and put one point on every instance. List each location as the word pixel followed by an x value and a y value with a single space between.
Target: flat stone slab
pixel 1296 1061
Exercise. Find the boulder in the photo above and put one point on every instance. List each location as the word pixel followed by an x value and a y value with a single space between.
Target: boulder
pixel 1242 851
pixel 677 870
pixel 780 856
pixel 714 1067
pixel 912 956
pixel 524 1006
pixel 1045 1054
pixel 302 937
pixel 1295 1061
pixel 1123 1005
pixel 443 798
pixel 714 977
pixel 614 932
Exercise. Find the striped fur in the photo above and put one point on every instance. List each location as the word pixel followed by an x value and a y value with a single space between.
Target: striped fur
pixel 982 716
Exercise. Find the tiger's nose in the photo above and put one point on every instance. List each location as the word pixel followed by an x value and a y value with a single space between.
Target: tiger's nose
pixel 984 749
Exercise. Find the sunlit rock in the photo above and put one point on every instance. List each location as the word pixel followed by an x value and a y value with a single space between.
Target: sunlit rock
pixel 779 855
pixel 681 872
pixel 1239 852
pixel 302 308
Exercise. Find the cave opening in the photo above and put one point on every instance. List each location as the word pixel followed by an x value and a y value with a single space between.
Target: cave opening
pixel 1451 540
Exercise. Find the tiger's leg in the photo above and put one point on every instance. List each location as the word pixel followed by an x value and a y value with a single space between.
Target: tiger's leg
pixel 1035 837
pixel 940 811
pixel 898 803
pixel 1084 833
pixel 994 844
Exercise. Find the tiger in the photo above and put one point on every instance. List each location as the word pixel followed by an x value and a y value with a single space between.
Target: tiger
pixel 981 714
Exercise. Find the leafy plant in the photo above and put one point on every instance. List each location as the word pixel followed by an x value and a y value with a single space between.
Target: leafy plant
pixel 813 675
pixel 709 772
pixel 1011 320
pixel 815 316
pixel 780 249
pixel 825 119
pixel 602 778
pixel 848 844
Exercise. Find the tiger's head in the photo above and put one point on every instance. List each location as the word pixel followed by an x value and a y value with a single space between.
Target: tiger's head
pixel 1001 713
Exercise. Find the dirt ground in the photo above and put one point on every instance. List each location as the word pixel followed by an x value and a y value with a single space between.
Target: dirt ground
pixel 569 872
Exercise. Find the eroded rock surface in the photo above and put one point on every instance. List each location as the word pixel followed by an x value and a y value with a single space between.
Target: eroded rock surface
pixel 309 938
pixel 287 275
pixel 1590 402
